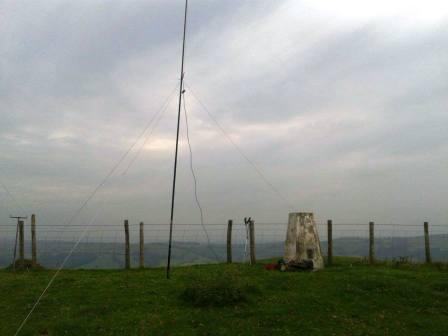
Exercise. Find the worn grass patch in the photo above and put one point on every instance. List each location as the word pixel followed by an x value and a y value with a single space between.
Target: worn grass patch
pixel 220 290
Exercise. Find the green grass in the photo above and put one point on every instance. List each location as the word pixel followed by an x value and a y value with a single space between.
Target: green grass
pixel 347 299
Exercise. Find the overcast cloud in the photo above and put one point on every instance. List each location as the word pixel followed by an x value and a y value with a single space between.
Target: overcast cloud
pixel 341 104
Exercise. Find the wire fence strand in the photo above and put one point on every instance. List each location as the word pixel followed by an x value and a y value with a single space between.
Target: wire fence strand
pixel 103 246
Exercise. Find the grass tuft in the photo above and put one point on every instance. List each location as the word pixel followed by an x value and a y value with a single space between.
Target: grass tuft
pixel 220 290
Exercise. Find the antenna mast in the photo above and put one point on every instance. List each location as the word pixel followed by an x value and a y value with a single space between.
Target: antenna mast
pixel 181 90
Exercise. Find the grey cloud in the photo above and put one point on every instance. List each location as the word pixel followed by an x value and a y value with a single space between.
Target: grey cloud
pixel 327 110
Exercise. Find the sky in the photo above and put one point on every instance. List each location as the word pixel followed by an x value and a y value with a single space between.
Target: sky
pixel 341 105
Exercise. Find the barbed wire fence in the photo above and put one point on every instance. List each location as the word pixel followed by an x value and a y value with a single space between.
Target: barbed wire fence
pixel 104 245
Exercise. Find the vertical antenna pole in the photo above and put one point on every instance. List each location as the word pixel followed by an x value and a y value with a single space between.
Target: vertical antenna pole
pixel 330 242
pixel 181 87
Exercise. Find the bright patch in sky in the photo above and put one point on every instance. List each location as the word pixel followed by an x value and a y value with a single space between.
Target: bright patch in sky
pixel 416 10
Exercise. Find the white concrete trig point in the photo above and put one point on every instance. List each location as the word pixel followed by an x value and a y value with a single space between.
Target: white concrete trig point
pixel 302 240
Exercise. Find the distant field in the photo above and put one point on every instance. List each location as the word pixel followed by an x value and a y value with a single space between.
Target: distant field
pixel 349 298
pixel 97 255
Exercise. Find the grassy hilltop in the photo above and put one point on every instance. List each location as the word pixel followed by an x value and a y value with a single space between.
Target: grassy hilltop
pixel 349 298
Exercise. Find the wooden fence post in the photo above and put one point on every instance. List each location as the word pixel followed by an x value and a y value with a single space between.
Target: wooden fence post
pixel 330 242
pixel 142 246
pixel 33 241
pixel 229 241
pixel 252 242
pixel 127 260
pixel 21 244
pixel 427 246
pixel 371 243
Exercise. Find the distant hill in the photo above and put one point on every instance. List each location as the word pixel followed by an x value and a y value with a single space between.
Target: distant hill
pixel 111 255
